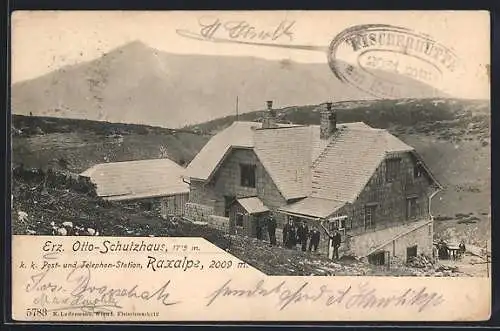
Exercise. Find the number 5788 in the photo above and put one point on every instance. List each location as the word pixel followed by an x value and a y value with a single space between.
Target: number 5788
pixel 36 312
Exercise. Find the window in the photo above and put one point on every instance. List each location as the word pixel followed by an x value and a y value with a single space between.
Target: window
pixel 342 223
pixel 418 170
pixel 239 219
pixel 370 216
pixel 392 169
pixel 339 224
pixel 247 172
pixel 411 208
pixel 228 201
pixel 411 252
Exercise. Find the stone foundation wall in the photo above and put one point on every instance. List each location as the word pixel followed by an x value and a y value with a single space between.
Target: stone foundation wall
pixel 421 237
pixel 219 222
pixel 198 212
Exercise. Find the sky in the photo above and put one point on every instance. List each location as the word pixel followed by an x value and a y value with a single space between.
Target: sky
pixel 43 41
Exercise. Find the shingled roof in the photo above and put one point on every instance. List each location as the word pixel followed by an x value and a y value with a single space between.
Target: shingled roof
pixel 238 134
pixel 253 205
pixel 137 179
pixel 344 167
pixel 313 207
pixel 285 153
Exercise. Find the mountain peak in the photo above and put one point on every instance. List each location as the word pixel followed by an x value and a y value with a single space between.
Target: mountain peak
pixel 136 46
pixel 137 83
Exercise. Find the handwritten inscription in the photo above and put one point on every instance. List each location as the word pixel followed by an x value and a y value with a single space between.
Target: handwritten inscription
pixel 59 288
pixel 210 26
pixel 350 297
pixel 215 29
pixel 78 291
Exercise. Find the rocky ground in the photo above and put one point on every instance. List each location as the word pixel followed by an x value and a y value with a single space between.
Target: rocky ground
pixel 281 261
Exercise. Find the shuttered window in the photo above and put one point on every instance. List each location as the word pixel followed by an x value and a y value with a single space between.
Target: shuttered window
pixel 418 170
pixel 412 209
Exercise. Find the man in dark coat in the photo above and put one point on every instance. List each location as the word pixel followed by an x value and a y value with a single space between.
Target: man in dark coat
pixel 336 240
pixel 461 249
pixel 302 234
pixel 289 235
pixel 286 231
pixel 443 250
pixel 271 230
pixel 292 236
pixel 314 241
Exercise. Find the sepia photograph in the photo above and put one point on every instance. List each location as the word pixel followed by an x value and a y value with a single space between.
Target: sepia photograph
pixel 176 165
pixel 296 162
pixel 364 161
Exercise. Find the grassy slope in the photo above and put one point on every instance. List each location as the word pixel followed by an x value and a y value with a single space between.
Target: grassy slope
pixel 85 143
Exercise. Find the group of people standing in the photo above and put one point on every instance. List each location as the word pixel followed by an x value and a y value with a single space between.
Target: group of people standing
pixel 300 234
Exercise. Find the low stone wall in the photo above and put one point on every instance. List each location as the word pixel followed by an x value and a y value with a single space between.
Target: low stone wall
pixel 219 222
pixel 203 213
pixel 198 212
pixel 421 237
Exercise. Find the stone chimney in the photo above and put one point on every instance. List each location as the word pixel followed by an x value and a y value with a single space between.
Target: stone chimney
pixel 328 122
pixel 269 117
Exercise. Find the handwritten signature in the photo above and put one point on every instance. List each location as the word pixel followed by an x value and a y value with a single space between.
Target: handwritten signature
pixel 363 296
pixel 214 29
pixel 78 292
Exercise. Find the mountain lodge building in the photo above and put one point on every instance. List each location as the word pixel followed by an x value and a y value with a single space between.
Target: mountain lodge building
pixel 363 181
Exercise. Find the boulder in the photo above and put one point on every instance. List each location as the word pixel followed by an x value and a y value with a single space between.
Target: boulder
pixel 62 232
pixel 23 216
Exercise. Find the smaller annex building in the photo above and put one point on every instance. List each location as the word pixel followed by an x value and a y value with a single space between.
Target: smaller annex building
pixel 157 185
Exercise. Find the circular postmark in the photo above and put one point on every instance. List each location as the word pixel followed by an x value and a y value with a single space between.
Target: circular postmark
pixel 390 62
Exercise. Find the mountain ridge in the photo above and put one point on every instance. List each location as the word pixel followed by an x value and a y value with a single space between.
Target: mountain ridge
pixel 136 83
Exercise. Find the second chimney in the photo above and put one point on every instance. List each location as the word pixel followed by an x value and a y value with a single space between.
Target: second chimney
pixel 269 117
pixel 328 122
